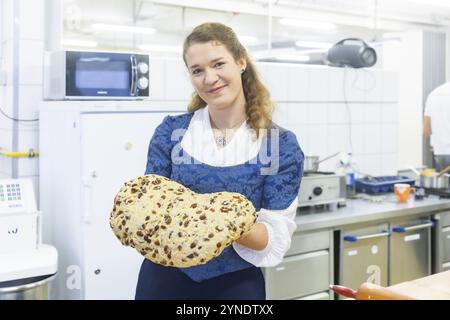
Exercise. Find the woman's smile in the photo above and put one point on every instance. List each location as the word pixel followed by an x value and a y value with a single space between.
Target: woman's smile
pixel 217 90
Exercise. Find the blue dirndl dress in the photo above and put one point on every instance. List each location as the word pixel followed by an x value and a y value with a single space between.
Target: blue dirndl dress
pixel 227 276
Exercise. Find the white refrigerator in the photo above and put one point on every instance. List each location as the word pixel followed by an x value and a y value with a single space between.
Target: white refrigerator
pixel 87 151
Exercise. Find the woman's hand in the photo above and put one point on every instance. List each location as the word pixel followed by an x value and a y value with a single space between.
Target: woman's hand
pixel 256 239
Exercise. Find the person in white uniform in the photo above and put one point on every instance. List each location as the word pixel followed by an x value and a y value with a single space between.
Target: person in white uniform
pixel 436 124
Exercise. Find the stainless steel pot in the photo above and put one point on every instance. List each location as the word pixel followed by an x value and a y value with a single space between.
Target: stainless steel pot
pixel 311 163
pixel 36 288
pixel 435 180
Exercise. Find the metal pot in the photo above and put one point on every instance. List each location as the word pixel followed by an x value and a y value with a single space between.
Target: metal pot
pixel 311 163
pixel 435 180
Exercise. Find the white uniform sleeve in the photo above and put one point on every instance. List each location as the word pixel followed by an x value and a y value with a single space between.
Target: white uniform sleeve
pixel 280 226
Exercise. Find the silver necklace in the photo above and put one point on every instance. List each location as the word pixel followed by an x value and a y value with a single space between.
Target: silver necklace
pixel 221 141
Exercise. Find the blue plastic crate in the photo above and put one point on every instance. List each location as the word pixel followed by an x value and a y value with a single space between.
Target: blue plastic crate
pixel 381 184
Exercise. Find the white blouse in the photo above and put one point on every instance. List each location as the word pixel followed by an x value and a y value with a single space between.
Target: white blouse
pixel 199 142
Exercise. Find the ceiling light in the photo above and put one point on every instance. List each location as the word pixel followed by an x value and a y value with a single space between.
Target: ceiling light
pixel 287 57
pixel 79 43
pixel 122 28
pixel 313 44
pixel 442 3
pixel 160 48
pixel 308 24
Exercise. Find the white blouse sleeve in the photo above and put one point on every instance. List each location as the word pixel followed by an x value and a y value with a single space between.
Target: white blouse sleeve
pixel 280 226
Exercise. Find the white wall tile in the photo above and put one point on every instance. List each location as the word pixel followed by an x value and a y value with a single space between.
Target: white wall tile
pixel 372 165
pixel 389 164
pixel 276 79
pixel 302 134
pixel 31 61
pixel 337 113
pixel 337 138
pixel 373 86
pixel 356 112
pixel 29 99
pixel 358 162
pixel 298 79
pixel 6 20
pixel 389 138
pixel 297 113
pixel 157 79
pixel 6 167
pixel 358 138
pixel 336 84
pixel 32 15
pixel 389 112
pixel 5 139
pixel 7 106
pixel 28 139
pixel 7 63
pixel 317 113
pixel 354 84
pixel 372 138
pixel 318 85
pixel 280 114
pixel 28 166
pixel 372 113
pixel 5 175
pixel 177 84
pixel 390 87
pixel 318 138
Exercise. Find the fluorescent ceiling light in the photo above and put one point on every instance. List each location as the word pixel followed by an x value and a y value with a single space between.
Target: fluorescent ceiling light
pixel 313 44
pixel 292 58
pixel 248 40
pixel 442 3
pixel 308 24
pixel 122 28
pixel 160 48
pixel 79 43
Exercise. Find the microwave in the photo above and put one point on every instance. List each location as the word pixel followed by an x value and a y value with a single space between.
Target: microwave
pixel 82 75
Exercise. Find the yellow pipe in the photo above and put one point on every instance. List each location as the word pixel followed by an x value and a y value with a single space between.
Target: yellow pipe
pixel 30 154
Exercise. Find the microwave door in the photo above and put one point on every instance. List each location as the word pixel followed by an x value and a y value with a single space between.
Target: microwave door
pixel 97 74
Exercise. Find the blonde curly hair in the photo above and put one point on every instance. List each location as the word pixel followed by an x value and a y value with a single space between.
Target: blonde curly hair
pixel 259 106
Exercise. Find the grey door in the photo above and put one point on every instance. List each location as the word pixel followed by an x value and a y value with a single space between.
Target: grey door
pixel 364 256
pixel 410 250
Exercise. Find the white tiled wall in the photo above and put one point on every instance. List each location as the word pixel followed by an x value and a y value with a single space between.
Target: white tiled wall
pixel 311 103
pixel 30 39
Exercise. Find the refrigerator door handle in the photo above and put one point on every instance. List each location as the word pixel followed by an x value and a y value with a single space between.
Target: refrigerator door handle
pixel 86 202
pixel 352 238
pixel 400 229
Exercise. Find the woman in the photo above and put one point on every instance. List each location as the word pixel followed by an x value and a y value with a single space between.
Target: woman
pixel 227 142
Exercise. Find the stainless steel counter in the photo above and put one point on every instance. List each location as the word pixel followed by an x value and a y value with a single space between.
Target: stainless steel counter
pixel 360 211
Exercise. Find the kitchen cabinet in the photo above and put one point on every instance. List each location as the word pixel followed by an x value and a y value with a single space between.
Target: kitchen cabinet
pixel 306 271
pixel 363 255
pixel 410 249
pixel 442 241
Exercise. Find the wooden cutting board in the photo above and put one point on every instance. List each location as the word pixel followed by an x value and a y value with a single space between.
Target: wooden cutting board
pixel 434 287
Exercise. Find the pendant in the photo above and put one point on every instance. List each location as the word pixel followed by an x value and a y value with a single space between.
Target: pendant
pixel 221 141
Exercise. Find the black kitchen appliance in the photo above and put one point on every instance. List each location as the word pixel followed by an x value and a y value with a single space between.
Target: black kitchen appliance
pixel 353 53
